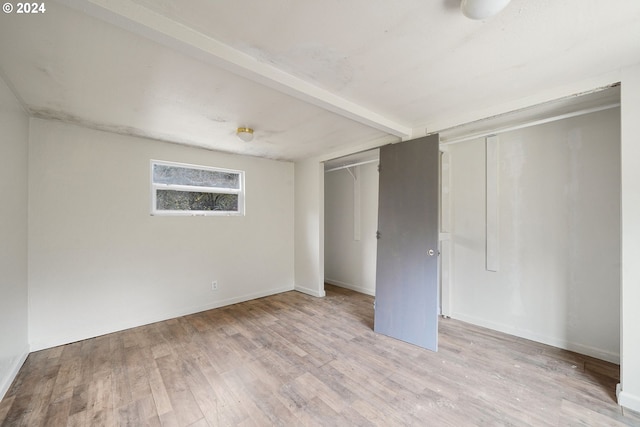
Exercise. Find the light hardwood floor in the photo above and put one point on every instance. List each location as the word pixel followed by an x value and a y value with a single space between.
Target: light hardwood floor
pixel 296 360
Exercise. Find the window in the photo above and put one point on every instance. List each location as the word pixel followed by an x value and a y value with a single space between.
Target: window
pixel 179 189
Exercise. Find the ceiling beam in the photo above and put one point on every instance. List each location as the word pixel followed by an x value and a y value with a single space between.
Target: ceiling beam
pixel 159 28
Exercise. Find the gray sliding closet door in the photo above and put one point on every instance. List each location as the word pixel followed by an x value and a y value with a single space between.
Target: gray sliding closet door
pixel 406 305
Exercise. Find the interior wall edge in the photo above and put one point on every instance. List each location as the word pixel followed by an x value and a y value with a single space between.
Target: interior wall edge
pixel 630 245
pixel 309 291
pixel 309 227
pixel 13 371
pixel 14 277
pixel 629 401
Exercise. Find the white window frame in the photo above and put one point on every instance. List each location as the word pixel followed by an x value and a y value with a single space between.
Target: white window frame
pixel 196 189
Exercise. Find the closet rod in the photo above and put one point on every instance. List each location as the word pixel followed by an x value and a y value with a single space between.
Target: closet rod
pixel 530 124
pixel 351 165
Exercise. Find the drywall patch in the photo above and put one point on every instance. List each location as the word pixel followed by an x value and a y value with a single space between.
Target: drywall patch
pixel 513 164
pixel 574 144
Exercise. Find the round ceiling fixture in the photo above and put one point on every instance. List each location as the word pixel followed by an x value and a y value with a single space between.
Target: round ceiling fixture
pixel 245 134
pixel 482 9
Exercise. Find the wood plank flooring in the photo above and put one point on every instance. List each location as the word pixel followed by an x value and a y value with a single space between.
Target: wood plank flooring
pixel 296 360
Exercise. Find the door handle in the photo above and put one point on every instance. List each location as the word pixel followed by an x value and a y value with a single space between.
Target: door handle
pixel 432 252
pixel 377 235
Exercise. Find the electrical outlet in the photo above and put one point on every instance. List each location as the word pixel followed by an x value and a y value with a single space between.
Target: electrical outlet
pixel 214 285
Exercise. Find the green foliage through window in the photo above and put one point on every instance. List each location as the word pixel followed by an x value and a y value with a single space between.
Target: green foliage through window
pixel 180 189
pixel 166 174
pixel 170 200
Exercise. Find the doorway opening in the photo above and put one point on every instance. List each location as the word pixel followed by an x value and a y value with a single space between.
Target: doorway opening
pixel 544 293
pixel 351 221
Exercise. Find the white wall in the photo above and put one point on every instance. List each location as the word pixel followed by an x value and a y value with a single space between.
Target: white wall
pixel 558 280
pixel 14 136
pixel 309 227
pixel 98 262
pixel 629 393
pixel 351 263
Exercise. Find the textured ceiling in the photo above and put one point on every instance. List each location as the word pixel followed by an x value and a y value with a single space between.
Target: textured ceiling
pixel 310 77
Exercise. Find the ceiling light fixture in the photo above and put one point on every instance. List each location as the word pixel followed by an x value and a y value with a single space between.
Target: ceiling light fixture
pixel 245 134
pixel 482 9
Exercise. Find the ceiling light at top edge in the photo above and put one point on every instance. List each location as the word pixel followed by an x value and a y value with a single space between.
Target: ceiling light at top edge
pixel 482 9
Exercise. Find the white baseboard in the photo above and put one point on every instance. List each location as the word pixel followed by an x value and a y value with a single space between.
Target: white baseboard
pixel 309 291
pixel 236 300
pixel 555 342
pixel 627 400
pixel 360 289
pixel 67 339
pixel 597 353
pixel 6 382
